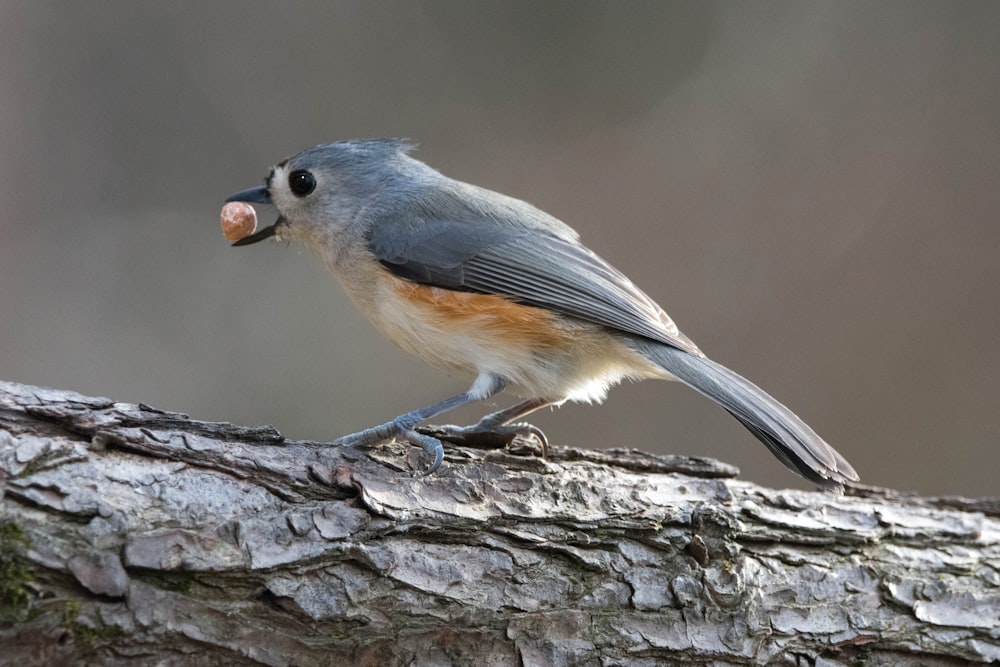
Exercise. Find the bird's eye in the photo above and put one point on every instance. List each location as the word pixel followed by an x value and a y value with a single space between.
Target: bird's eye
pixel 301 183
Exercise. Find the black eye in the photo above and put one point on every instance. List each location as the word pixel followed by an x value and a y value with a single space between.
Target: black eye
pixel 301 183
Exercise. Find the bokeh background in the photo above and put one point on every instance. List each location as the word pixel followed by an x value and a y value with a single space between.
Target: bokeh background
pixel 811 189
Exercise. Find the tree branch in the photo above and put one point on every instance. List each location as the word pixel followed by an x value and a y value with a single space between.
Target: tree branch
pixel 129 535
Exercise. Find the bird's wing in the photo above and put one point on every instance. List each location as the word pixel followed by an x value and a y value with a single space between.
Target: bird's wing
pixel 529 266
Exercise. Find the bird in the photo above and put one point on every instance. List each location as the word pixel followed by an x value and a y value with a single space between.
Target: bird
pixel 486 285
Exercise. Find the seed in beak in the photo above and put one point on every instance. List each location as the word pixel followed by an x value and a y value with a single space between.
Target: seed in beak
pixel 239 220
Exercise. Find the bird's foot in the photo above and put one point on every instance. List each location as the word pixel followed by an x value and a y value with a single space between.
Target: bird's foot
pixel 486 435
pixel 397 430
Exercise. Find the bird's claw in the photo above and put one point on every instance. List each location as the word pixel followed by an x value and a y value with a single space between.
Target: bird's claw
pixel 488 436
pixel 395 431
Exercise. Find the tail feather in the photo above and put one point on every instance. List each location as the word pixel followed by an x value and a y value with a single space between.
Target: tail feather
pixel 788 437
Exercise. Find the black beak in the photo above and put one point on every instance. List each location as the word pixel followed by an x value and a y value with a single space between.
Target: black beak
pixel 265 233
pixel 257 195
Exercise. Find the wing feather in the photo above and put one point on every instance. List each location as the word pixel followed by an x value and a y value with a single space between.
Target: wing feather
pixel 530 266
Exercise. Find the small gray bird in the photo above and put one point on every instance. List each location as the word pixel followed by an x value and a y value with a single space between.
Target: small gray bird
pixel 474 281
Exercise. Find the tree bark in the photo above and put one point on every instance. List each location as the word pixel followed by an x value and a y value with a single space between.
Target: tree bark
pixel 133 536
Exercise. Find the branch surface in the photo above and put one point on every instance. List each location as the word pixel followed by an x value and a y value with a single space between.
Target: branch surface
pixel 130 535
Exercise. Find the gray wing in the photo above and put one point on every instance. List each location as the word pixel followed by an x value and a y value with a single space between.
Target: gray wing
pixel 527 265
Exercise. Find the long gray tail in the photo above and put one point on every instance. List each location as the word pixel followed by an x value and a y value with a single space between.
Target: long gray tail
pixel 788 437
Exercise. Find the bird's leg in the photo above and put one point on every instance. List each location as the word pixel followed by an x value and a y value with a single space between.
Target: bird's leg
pixel 403 426
pixel 507 415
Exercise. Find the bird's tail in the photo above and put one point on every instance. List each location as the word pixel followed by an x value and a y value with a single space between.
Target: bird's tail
pixel 788 437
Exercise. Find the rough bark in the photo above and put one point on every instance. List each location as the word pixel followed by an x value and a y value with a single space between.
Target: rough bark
pixel 133 536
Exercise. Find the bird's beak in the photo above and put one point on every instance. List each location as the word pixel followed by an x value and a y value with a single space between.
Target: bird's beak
pixel 257 195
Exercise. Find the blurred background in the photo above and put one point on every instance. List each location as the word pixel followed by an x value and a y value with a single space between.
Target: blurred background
pixel 811 189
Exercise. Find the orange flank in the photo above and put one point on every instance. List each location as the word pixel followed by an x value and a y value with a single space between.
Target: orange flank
pixel 489 314
pixel 540 353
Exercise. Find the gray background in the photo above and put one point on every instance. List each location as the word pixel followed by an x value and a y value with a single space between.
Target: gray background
pixel 811 189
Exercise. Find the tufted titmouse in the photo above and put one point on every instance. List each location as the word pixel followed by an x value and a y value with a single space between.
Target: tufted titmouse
pixel 474 281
